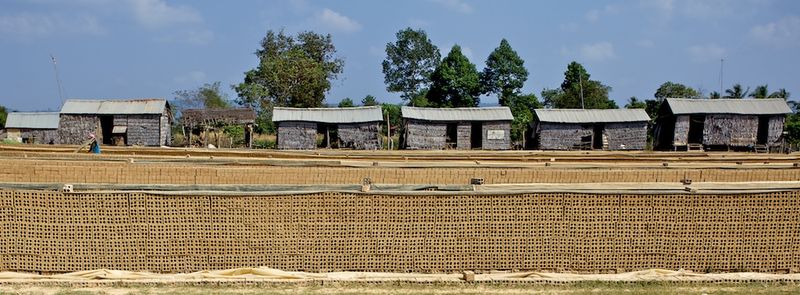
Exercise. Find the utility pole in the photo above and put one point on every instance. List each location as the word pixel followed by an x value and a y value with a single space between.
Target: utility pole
pixel 580 84
pixel 721 62
pixel 58 79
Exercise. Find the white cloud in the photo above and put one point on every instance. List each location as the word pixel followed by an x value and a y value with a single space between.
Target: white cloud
pixel 193 77
pixel 595 14
pixel 456 5
pixel 706 52
pixel 663 7
pixel 29 25
pixel 598 51
pixel 334 20
pixel 157 13
pixel 784 32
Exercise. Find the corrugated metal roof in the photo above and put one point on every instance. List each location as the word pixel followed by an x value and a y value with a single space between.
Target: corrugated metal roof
pixel 743 106
pixel 328 115
pixel 33 120
pixel 114 107
pixel 458 114
pixel 591 116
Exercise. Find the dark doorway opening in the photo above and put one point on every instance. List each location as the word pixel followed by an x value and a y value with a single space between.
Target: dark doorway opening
pixel 696 125
pixel 452 135
pixel 328 135
pixel 597 136
pixel 476 135
pixel 106 128
pixel 763 130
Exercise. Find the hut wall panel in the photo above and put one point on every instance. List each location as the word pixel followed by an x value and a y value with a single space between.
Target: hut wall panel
pixel 775 129
pixel 463 137
pixel 496 144
pixel 121 120
pixel 297 135
pixel 553 136
pixel 144 130
pixel 631 135
pixel 425 135
pixel 681 130
pixel 360 136
pixel 166 130
pixel 733 130
pixel 73 129
pixel 41 136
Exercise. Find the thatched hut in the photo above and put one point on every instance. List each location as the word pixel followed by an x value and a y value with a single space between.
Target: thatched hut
pixel 714 123
pixel 613 129
pixel 34 127
pixel 356 127
pixel 456 128
pixel 206 119
pixel 119 122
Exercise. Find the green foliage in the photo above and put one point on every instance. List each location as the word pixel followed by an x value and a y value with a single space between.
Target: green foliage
pixel 265 143
pixel 652 107
pixel 781 93
pixel 737 91
pixel 595 94
pixel 420 100
pixel 635 103
pixel 455 82
pixel 346 103
pixel 714 95
pixel 504 74
pixel 792 127
pixel 522 108
pixel 761 91
pixel 293 71
pixel 208 96
pixel 369 101
pixel 675 90
pixel 409 63
pixel 3 116
pixel 395 119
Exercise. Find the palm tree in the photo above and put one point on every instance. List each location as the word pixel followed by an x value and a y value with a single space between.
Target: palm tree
pixel 736 91
pixel 713 95
pixel 781 93
pixel 760 92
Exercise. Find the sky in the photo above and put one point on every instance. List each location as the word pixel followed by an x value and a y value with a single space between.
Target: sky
pixel 109 49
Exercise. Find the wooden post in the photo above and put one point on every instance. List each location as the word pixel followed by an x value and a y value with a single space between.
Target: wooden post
pixel 328 136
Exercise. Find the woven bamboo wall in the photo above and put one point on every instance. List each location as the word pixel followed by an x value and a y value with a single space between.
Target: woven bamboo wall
pixel 626 135
pixel 496 144
pixel 54 232
pixel 360 136
pixel 297 135
pixel 556 136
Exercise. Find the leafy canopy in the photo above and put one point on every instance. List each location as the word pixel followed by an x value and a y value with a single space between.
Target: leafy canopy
pixel 504 74
pixel 635 103
pixel 675 90
pixel 522 108
pixel 3 116
pixel 346 103
pixel 736 91
pixel 369 101
pixel 455 82
pixel 409 63
pixel 576 81
pixel 208 96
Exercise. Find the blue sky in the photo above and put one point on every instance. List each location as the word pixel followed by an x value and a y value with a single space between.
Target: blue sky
pixel 151 48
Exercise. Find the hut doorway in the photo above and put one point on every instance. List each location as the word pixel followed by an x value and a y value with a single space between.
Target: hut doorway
pixel 106 129
pixel 476 135
pixel 696 123
pixel 328 134
pixel 763 130
pixel 451 135
pixel 597 136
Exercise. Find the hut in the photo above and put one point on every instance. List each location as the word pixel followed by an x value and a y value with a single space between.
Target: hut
pixel 356 127
pixel 612 129
pixel 713 123
pixel 36 127
pixel 206 119
pixel 144 122
pixel 456 128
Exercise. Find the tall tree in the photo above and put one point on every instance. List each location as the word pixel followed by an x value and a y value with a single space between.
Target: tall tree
pixel 675 90
pixel 3 116
pixel 369 101
pixel 737 91
pixel 781 93
pixel 761 91
pixel 635 103
pixel 522 108
pixel 293 71
pixel 504 74
pixel 208 96
pixel 455 82
pixel 409 63
pixel 578 91
pixel 714 95
pixel 346 103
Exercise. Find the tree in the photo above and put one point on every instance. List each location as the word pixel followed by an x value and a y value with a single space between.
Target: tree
pixel 293 71
pixel 369 101
pixel 652 107
pixel 455 82
pixel 346 103
pixel 635 103
pixel 208 96
pixel 714 95
pixel 578 91
pixel 522 108
pixel 675 90
pixel 736 91
pixel 781 93
pixel 3 116
pixel 504 74
pixel 409 63
pixel 761 91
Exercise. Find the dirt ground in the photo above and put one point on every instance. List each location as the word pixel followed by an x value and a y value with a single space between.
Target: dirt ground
pixel 415 288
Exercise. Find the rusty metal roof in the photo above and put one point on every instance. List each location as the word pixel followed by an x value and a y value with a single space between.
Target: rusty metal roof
pixel 32 120
pixel 114 107
pixel 742 106
pixel 328 115
pixel 458 114
pixel 591 116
